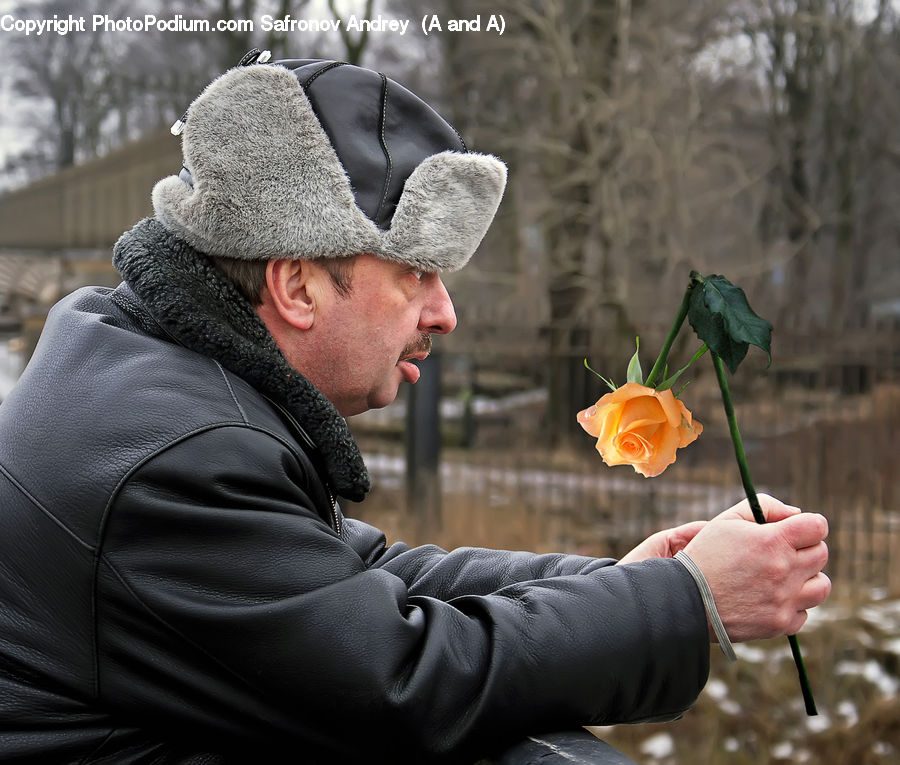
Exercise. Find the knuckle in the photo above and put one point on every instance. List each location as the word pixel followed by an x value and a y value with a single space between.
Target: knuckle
pixel 773 543
pixel 783 619
pixel 779 568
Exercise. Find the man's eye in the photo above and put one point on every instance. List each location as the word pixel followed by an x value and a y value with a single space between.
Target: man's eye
pixel 419 274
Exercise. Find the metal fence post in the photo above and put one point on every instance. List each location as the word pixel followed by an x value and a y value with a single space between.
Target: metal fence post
pixel 423 445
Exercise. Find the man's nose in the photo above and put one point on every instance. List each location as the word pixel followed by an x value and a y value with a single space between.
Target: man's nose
pixel 438 315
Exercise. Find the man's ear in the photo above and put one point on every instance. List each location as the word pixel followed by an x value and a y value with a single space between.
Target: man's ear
pixel 292 291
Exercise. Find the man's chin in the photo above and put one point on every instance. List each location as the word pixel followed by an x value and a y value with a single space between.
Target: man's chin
pixel 381 398
pixel 376 399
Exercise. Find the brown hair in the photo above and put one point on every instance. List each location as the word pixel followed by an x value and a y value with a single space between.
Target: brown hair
pixel 249 276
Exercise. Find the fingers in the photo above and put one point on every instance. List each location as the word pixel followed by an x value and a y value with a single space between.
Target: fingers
pixel 796 623
pixel 654 546
pixel 799 529
pixel 803 530
pixel 791 614
pixel 681 535
pixel 664 544
pixel 812 559
pixel 814 592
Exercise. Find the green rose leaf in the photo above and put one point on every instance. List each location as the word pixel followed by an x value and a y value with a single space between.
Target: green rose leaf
pixel 722 318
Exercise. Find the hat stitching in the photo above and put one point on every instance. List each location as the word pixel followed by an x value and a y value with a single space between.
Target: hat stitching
pixel 382 118
pixel 320 72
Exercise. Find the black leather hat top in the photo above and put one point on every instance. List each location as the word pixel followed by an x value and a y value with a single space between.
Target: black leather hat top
pixel 380 130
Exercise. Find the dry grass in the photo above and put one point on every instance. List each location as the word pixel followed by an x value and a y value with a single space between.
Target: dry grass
pixel 751 712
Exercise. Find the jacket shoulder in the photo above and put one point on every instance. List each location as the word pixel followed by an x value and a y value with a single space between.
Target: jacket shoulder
pixel 101 394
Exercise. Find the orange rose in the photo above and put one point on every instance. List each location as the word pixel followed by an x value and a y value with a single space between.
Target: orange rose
pixel 638 426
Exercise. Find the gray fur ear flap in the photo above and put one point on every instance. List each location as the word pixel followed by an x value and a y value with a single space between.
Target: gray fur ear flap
pixel 447 205
pixel 266 180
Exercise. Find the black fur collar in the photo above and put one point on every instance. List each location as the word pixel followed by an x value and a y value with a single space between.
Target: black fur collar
pixel 191 299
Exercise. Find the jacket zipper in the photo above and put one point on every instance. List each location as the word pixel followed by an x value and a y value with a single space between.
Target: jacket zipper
pixel 335 516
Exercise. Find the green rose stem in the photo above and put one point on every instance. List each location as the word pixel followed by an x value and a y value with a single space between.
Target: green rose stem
pixel 747 481
pixel 660 362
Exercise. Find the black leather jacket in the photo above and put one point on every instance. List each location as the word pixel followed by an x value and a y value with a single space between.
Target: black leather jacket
pixel 177 584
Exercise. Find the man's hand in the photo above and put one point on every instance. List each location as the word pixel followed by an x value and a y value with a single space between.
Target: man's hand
pixel 664 544
pixel 763 577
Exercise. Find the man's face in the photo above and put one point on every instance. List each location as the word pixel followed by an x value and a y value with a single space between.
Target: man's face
pixel 365 339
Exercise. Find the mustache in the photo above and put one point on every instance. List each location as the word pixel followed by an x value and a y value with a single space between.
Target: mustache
pixel 422 344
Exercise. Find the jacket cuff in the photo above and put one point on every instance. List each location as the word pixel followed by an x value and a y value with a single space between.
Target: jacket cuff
pixel 709 603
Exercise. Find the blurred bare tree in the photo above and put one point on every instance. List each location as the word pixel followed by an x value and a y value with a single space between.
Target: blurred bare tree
pixel 80 94
pixel 833 81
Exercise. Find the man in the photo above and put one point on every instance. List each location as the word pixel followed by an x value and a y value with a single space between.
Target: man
pixel 178 582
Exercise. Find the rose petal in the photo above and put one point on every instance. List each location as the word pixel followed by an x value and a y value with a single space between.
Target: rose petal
pixel 690 428
pixel 641 410
pixel 664 452
pixel 600 420
pixel 633 448
pixel 627 392
pixel 671 406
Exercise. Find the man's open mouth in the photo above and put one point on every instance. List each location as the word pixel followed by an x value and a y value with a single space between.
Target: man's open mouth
pixel 414 352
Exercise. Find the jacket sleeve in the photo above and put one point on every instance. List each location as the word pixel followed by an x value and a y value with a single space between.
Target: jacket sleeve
pixel 434 572
pixel 231 615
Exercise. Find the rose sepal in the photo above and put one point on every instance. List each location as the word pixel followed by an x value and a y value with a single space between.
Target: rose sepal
pixel 634 373
pixel 670 381
pixel 609 383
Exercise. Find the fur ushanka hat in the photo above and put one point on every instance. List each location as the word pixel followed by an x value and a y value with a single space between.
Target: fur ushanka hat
pixel 308 158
